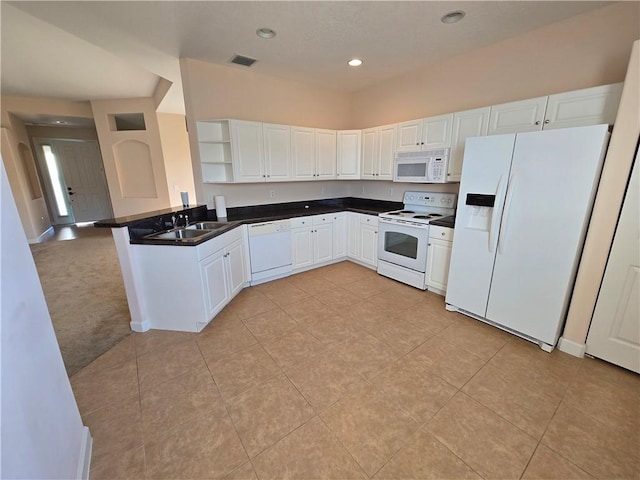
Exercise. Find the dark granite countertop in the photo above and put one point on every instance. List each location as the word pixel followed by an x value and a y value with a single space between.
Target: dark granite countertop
pixel 145 224
pixel 444 222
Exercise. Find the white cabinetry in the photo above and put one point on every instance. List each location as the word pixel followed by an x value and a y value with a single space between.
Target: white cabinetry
pixel 363 239
pixel 340 235
pixel 438 258
pixel 425 134
pixel 378 151
pixel 183 288
pixel 313 153
pixel 348 154
pixel 589 106
pixel 277 152
pixel 214 149
pixel 248 151
pixel 470 123
pixel 311 241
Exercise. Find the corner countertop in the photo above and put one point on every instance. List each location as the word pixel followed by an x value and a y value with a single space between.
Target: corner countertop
pixel 444 222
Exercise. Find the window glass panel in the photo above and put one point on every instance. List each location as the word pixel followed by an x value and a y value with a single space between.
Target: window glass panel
pixel 54 175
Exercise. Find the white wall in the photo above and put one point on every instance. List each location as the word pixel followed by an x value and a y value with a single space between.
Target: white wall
pixel 41 432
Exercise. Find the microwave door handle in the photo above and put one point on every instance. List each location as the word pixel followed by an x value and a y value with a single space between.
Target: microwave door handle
pixel 495 215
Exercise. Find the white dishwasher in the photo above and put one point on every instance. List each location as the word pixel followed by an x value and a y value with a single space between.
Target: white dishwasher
pixel 269 250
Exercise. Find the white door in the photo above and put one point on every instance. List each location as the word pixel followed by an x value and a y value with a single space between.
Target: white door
pixel 470 123
pixel 215 285
pixel 277 152
pixel 438 259
pixel 589 106
pixel 302 247
pixel 614 334
pixel 303 153
pixel 409 136
pixel 323 243
pixel 553 180
pixel 386 151
pixel 369 244
pixel 369 153
pixel 486 172
pixel 517 117
pixel 82 179
pixel 235 267
pixel 353 235
pixel 437 132
pixel 348 154
pixel 248 151
pixel 326 154
pixel 340 235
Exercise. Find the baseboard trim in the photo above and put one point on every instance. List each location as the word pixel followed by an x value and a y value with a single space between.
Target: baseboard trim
pixel 84 463
pixel 140 327
pixel 39 238
pixel 572 348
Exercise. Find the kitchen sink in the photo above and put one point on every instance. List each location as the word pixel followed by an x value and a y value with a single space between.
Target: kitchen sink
pixel 207 225
pixel 179 234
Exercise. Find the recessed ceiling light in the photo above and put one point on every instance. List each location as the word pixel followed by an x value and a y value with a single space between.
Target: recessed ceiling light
pixel 453 17
pixel 265 32
pixel 355 62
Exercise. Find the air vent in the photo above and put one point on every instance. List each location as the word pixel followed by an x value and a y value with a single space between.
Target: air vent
pixel 242 60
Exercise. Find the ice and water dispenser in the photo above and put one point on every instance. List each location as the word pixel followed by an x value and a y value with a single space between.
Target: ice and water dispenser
pixel 480 207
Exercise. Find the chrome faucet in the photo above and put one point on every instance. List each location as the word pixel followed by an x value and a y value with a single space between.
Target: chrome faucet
pixel 174 219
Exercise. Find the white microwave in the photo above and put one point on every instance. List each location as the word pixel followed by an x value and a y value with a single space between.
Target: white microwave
pixel 426 166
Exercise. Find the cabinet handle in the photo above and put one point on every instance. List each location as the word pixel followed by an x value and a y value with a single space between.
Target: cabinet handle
pixel 417 143
pixel 443 234
pixel 537 122
pixel 263 176
pixel 269 176
pixel 421 143
pixel 547 121
pixel 428 244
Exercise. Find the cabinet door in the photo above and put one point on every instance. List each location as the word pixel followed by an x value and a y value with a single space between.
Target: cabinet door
pixel 246 144
pixel 470 123
pixel 235 268
pixel 369 167
pixel 303 153
pixel 340 235
pixel 353 235
pixel 348 154
pixel 590 106
pixel 409 136
pixel 302 246
pixel 436 132
pixel 215 285
pixel 277 152
pixel 438 258
pixel 326 154
pixel 369 244
pixel 323 243
pixel 517 117
pixel 386 151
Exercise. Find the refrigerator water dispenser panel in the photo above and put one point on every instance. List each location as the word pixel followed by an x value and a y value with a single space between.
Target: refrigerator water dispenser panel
pixel 480 200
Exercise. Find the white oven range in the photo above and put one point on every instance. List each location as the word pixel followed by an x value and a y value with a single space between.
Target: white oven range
pixel 403 236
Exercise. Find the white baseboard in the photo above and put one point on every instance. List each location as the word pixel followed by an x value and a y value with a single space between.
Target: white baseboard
pixel 572 348
pixel 39 238
pixel 140 327
pixel 84 463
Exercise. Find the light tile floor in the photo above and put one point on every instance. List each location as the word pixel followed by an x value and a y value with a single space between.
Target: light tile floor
pixel 339 373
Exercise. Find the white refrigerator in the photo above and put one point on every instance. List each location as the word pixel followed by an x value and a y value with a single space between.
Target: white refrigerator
pixel 523 209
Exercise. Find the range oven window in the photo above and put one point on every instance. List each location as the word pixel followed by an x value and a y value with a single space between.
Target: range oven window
pixel 401 244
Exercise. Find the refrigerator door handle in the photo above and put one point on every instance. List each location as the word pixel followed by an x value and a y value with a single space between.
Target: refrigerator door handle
pixel 495 215
pixel 505 214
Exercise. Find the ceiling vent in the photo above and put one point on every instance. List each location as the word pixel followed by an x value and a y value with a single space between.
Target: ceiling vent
pixel 242 60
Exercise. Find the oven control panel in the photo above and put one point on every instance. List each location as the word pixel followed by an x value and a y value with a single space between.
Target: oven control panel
pixel 430 199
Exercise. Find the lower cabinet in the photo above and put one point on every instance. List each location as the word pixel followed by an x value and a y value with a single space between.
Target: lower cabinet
pixel 182 288
pixel 340 235
pixel 438 258
pixel 311 241
pixel 363 239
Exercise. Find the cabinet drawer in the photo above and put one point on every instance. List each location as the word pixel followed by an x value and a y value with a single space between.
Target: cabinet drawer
pixel 441 233
pixel 320 219
pixel 298 222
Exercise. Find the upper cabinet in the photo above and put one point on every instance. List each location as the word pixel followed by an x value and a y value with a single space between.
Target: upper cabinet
pixel 470 123
pixel 378 152
pixel 277 152
pixel 589 106
pixel 348 154
pixel 313 153
pixel 248 151
pixel 425 134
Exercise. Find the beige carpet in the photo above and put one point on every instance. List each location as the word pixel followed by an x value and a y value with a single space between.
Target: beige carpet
pixel 83 287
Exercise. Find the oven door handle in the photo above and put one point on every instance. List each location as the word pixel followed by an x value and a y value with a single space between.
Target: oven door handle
pixel 404 223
